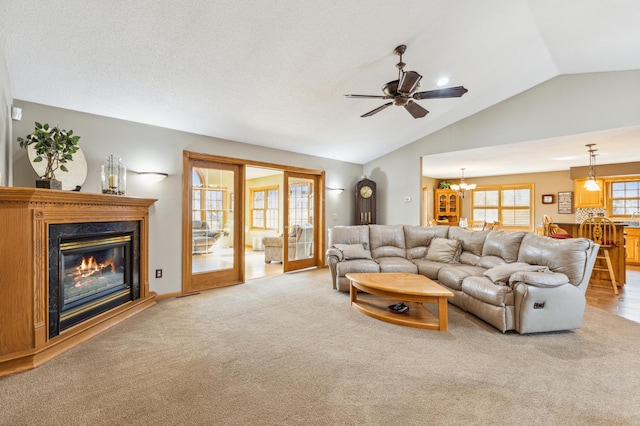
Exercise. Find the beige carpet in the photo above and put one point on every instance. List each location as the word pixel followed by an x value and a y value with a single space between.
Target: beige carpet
pixel 289 350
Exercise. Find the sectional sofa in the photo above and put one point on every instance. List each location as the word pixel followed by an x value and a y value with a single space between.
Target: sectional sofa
pixel 512 280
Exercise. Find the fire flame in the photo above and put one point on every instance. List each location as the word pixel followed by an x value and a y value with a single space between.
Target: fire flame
pixel 90 266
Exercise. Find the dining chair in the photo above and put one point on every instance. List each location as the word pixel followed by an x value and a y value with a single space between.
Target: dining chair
pixel 602 231
pixel 476 225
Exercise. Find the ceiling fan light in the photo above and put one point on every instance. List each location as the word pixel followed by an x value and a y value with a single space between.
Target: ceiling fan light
pixel 442 81
pixel 591 185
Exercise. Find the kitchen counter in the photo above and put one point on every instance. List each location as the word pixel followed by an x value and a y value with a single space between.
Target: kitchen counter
pixel 618 256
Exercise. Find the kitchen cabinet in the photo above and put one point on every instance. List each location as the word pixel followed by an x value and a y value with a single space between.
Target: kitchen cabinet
pixel 588 199
pixel 447 205
pixel 632 245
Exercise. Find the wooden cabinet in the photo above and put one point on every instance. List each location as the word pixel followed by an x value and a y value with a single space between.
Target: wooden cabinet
pixel 632 245
pixel 447 206
pixel 588 199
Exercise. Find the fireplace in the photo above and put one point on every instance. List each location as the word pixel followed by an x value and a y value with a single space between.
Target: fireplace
pixel 93 267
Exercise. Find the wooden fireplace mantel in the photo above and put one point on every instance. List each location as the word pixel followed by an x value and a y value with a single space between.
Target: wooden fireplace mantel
pixel 25 216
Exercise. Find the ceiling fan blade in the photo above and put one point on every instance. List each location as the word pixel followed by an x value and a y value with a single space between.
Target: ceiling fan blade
pixel 451 92
pixel 416 110
pixel 369 96
pixel 408 82
pixel 380 108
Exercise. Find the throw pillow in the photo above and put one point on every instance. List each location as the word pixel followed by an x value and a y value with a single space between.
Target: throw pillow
pixel 353 251
pixel 444 250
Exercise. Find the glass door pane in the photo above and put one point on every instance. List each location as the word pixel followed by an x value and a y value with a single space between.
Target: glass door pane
pixel 300 221
pixel 212 219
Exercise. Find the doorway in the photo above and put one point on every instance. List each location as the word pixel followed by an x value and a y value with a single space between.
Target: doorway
pixel 238 203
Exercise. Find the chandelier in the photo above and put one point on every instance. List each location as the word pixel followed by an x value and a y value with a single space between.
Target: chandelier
pixel 463 188
pixel 591 184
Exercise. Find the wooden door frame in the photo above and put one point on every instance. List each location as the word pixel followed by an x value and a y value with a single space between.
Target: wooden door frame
pixel 239 237
pixel 232 276
pixel 317 202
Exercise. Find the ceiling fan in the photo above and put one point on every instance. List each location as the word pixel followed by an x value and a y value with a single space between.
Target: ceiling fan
pixel 403 90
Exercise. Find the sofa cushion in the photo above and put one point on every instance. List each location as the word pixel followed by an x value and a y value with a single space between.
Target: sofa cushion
pixel 501 273
pixel 483 289
pixel 444 250
pixel 357 265
pixel 353 251
pixel 453 275
pixel 568 257
pixel 472 241
pixel 469 258
pixel 418 238
pixel 344 234
pixel 396 264
pixel 503 244
pixel 429 268
pixel 540 279
pixel 387 241
pixel 489 262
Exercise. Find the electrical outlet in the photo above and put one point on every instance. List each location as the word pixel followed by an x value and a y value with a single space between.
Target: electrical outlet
pixel 158 273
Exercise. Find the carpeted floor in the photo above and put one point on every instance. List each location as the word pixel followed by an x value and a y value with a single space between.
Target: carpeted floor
pixel 289 350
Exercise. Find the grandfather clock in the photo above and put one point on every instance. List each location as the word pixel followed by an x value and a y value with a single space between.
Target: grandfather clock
pixel 365 202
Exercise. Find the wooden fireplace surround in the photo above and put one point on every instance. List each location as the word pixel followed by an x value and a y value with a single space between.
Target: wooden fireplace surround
pixel 25 216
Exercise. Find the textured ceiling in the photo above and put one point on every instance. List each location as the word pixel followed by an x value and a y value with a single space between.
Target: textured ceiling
pixel 274 73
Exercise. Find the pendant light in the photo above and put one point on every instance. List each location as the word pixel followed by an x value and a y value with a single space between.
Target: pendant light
pixel 591 184
pixel 462 188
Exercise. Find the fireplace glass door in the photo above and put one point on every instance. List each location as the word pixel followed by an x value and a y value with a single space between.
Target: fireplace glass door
pixel 94 273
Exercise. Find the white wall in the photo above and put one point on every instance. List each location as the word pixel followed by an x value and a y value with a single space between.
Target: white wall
pixel 5 121
pixel 149 148
pixel 565 105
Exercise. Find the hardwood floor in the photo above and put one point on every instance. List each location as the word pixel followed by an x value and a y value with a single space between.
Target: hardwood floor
pixel 626 304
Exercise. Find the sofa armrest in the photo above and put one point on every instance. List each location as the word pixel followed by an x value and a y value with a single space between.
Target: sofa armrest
pixel 333 257
pixel 539 309
pixel 539 279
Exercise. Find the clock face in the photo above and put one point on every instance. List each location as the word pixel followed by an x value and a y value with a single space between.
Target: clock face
pixel 366 192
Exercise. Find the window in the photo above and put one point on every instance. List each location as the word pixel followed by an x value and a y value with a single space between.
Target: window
pixel 300 203
pixel 625 197
pixel 509 204
pixel 264 208
pixel 208 204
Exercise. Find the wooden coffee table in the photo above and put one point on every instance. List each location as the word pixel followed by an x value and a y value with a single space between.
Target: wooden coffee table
pixel 413 289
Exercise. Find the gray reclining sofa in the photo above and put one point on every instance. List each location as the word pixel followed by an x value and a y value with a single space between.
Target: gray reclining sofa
pixel 512 280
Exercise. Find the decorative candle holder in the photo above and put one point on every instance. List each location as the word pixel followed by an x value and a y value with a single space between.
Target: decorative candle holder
pixel 113 175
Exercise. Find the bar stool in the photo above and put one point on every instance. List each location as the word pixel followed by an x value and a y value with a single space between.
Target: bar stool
pixel 602 231
pixel 552 230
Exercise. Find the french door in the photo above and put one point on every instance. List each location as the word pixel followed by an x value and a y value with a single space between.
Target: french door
pixel 213 242
pixel 302 220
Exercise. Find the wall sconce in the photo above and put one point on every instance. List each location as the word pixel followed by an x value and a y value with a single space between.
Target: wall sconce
pixel 153 176
pixel 336 190
pixel 591 184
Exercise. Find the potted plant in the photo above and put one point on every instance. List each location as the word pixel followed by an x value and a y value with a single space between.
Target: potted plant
pixel 55 146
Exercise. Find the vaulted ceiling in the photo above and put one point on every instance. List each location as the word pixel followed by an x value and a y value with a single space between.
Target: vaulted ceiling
pixel 274 72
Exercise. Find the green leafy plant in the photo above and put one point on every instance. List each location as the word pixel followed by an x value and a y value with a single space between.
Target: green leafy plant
pixel 444 184
pixel 52 144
